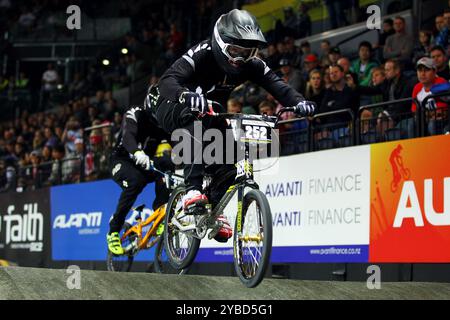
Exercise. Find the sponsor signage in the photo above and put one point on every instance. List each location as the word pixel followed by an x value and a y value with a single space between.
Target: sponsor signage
pixel 24 227
pixel 410 201
pixel 80 217
pixel 320 207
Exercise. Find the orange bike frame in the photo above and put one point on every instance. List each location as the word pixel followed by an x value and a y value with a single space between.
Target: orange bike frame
pixel 157 217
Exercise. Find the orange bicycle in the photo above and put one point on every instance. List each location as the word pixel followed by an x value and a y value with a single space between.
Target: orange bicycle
pixel 141 233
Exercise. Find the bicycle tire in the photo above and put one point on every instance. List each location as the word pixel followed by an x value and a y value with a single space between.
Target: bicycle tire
pixel 265 223
pixel 114 264
pixel 175 261
pixel 163 266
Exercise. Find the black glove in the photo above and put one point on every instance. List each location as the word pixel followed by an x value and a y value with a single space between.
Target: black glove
pixel 305 108
pixel 194 101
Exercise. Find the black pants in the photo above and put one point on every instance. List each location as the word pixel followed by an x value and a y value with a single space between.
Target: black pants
pixel 172 116
pixel 132 180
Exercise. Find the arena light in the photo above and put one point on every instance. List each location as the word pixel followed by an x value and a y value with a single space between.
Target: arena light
pixel 105 62
pixel 124 51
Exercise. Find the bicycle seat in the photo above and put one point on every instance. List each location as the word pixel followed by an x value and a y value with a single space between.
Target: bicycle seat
pixel 140 208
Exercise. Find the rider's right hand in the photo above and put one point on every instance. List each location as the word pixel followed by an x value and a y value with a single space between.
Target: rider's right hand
pixel 194 101
pixel 305 108
pixel 142 159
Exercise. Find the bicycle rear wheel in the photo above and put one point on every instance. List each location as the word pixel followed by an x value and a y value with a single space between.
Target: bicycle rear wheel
pixel 161 263
pixel 122 263
pixel 253 245
pixel 181 247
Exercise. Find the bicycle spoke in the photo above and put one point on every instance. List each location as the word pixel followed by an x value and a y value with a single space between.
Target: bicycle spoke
pixel 251 250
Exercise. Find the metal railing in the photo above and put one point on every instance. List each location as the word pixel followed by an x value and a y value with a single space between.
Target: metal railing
pixel 376 124
pixel 328 135
pixel 296 136
pixel 64 171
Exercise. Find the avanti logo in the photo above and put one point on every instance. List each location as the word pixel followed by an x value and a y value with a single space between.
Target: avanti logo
pixel 78 220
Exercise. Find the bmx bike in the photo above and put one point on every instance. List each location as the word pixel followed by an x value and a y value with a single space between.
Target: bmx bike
pixel 252 236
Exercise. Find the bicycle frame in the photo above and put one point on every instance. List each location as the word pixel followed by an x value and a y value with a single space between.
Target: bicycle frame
pixel 245 177
pixel 156 218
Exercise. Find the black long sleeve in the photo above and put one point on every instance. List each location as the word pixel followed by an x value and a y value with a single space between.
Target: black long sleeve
pixel 198 71
pixel 130 130
pixel 139 131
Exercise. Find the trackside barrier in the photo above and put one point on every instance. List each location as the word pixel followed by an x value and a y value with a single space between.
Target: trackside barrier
pixel 328 135
pixel 375 124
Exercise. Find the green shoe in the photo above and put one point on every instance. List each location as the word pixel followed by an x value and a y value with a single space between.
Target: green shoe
pixel 114 244
pixel 160 229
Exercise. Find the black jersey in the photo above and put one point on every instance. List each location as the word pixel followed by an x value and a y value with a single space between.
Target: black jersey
pixel 139 131
pixel 198 71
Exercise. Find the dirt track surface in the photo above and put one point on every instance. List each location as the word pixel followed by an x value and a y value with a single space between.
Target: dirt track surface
pixel 31 283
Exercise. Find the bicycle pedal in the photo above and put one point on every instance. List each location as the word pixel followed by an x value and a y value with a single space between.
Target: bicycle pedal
pixel 214 231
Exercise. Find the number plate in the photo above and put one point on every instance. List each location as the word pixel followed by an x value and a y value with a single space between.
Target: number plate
pixel 256 132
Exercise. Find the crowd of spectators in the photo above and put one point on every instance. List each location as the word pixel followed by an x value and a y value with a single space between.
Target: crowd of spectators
pixel 49 148
pixel 396 67
pixel 53 147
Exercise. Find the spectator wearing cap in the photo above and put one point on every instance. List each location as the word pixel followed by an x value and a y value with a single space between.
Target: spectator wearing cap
pixel 427 75
pixel 439 56
pixel 399 45
pixel 291 76
pixel 310 62
pixel 334 55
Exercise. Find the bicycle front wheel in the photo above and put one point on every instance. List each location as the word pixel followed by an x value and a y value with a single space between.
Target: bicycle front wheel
pixel 181 246
pixel 253 244
pixel 161 263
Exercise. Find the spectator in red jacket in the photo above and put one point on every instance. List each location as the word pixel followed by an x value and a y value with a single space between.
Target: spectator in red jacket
pixel 427 75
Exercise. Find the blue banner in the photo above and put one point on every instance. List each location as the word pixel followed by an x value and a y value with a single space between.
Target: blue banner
pixel 311 254
pixel 80 215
